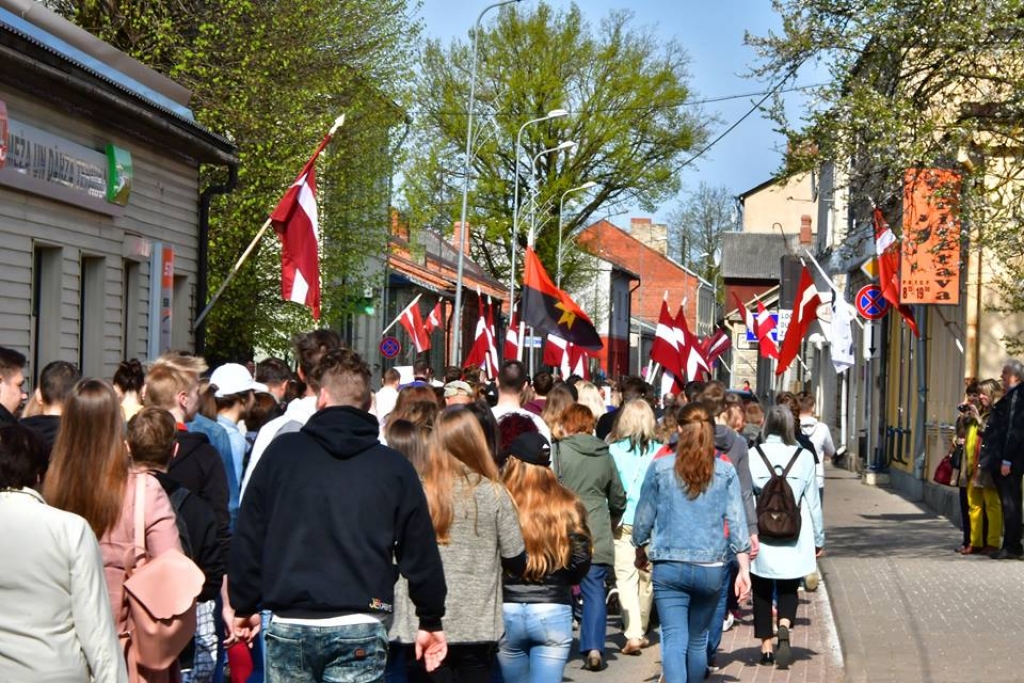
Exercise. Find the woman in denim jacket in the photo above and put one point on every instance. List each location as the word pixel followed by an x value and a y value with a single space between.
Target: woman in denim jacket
pixel 687 501
pixel 780 565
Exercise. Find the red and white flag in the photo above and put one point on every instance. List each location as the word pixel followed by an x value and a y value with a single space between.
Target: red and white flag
pixel 296 223
pixel 805 311
pixel 413 324
pixel 483 353
pixel 715 345
pixel 665 349
pixel 511 348
pixel 492 342
pixel 434 318
pixel 569 358
pixel 764 323
pixel 748 316
pixel 887 249
pixel 694 365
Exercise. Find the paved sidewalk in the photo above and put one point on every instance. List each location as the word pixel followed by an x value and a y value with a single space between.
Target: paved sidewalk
pixel 907 607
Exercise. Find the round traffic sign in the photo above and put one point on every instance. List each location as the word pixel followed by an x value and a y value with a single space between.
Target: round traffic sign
pixel 390 347
pixel 870 302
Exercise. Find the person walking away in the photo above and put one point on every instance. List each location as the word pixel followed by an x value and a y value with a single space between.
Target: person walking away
pixel 90 475
pixel 309 348
pixel 779 566
pixel 152 446
pixel 633 444
pixel 330 600
pixel 479 537
pixel 56 624
pixel 128 381
pixel 1002 454
pixel 583 466
pixel 537 604
pixel 686 501
pixel 512 379
pixel 818 434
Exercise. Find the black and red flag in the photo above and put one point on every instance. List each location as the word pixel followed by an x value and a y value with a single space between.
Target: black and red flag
pixel 549 310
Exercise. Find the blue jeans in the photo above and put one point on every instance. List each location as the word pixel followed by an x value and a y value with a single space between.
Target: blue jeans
pixel 536 643
pixel 686 596
pixel 326 654
pixel 715 628
pixel 595 610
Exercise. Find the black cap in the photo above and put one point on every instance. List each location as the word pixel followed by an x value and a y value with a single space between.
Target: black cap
pixel 531 448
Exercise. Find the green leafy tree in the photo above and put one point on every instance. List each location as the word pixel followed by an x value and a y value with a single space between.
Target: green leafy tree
pixel 626 92
pixel 272 76
pixel 697 224
pixel 914 84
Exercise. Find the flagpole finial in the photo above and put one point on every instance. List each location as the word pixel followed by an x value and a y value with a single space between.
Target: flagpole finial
pixel 338 123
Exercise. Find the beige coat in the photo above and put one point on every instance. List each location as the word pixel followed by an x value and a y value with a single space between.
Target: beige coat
pixel 55 621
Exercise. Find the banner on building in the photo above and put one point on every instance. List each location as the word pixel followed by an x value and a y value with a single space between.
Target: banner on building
pixel 930 263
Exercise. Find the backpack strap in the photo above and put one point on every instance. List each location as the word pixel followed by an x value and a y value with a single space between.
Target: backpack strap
pixel 792 461
pixel 139 550
pixel 767 463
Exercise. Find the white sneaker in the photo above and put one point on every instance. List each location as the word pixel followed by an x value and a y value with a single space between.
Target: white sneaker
pixel 811 582
pixel 729 621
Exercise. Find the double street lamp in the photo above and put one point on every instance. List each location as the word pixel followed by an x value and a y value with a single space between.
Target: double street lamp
pixel 562 146
pixel 561 225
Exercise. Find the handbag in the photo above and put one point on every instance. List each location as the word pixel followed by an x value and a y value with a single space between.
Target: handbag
pixel 161 595
pixel 944 472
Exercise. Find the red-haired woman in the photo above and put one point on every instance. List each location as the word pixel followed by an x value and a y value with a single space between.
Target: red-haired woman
pixel 583 465
pixel 685 500
pixel 538 603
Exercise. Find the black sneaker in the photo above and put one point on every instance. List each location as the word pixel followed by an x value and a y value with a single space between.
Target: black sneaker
pixel 1005 554
pixel 784 655
pixel 767 658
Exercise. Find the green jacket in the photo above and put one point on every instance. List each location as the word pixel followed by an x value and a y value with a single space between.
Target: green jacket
pixel 584 466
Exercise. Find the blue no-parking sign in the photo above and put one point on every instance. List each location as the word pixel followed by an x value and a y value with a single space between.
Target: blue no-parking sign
pixel 870 302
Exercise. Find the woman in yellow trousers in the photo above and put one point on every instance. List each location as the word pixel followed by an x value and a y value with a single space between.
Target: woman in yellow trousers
pixel 985 510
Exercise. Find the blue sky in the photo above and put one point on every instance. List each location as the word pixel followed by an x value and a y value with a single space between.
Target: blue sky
pixel 712 33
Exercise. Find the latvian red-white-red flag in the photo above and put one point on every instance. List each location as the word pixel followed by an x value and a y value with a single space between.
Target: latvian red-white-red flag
pixel 887 249
pixel 511 348
pixel 805 311
pixel 746 314
pixel 295 221
pixel 569 358
pixel 764 323
pixel 665 351
pixel 434 318
pixel 715 345
pixel 694 365
pixel 413 324
pixel 478 356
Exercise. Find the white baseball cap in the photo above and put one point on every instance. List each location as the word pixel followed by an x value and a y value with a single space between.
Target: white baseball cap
pixel 232 378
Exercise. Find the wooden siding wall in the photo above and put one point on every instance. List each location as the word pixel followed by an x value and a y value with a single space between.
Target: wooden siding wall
pixel 163 207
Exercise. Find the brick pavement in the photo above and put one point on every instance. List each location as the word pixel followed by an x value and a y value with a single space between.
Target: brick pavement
pixel 908 608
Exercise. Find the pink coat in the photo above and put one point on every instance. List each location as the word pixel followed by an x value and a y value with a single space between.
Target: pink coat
pixel 117 547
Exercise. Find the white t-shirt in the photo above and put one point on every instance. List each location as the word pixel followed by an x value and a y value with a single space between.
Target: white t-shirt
pixel 542 427
pixel 821 437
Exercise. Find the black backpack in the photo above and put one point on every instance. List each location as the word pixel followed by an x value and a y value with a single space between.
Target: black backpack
pixel 778 514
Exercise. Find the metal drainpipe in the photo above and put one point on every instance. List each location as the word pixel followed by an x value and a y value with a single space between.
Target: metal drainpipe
pixel 203 265
pixel 920 442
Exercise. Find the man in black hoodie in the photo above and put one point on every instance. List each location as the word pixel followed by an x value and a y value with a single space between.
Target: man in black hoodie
pixel 55 384
pixel 326 514
pixel 12 385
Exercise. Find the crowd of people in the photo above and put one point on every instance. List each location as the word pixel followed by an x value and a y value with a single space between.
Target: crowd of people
pixel 424 531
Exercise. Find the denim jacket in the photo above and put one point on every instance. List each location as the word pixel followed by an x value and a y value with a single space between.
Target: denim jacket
pixel 683 530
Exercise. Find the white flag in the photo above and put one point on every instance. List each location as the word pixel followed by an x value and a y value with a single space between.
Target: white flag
pixel 842 335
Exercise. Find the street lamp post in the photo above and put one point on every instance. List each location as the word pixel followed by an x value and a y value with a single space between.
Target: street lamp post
pixel 457 320
pixel 561 225
pixel 553 114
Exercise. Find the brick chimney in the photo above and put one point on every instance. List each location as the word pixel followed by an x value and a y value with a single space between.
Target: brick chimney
pixel 457 239
pixel 805 230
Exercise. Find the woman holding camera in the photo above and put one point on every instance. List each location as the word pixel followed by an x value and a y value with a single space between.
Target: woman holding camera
pixel 983 523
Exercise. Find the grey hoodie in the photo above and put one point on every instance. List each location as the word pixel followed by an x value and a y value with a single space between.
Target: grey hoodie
pixel 735 448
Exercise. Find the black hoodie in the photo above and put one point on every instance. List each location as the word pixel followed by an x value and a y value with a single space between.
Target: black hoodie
pixel 327 512
pixel 198 467
pixel 735 448
pixel 46 428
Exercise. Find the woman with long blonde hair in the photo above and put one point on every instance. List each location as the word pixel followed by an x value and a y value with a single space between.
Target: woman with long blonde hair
pixel 90 475
pixel 478 534
pixel 538 603
pixel 686 500
pixel 632 444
